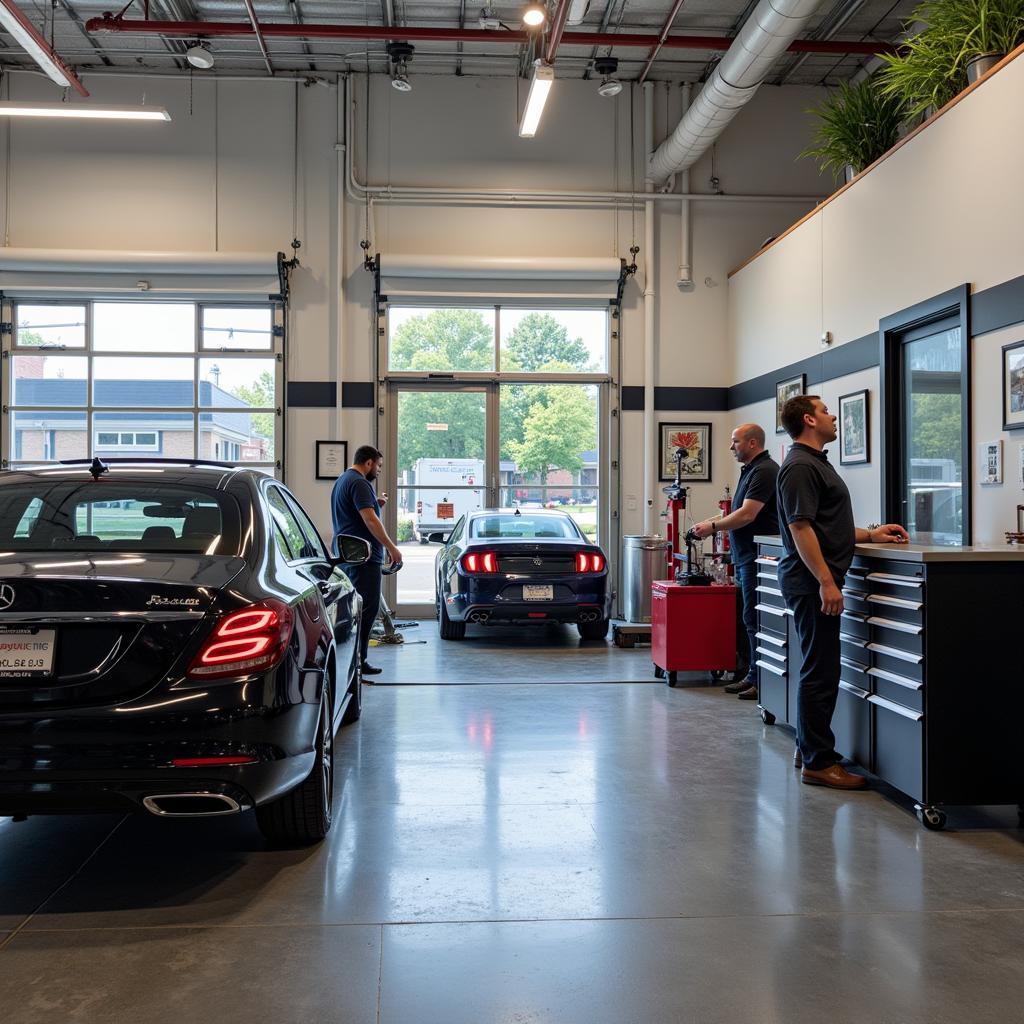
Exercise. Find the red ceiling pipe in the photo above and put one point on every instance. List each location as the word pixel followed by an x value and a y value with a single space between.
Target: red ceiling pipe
pixel 274 30
pixel 655 50
pixel 17 13
pixel 557 29
pixel 259 36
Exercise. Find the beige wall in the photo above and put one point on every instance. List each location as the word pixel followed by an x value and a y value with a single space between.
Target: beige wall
pixel 944 209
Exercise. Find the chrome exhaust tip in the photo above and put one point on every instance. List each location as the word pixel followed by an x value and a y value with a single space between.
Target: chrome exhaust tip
pixel 191 805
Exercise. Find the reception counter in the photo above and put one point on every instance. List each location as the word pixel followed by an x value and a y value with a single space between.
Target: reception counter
pixel 932 692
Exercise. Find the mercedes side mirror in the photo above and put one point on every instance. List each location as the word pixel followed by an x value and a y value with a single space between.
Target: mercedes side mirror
pixel 351 550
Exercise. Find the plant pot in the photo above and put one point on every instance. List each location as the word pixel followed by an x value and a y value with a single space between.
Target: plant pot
pixel 849 173
pixel 981 65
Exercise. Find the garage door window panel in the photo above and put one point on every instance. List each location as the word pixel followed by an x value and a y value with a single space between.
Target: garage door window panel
pixel 237 328
pixel 144 327
pixel 56 325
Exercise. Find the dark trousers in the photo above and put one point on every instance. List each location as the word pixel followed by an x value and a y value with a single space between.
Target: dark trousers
pixel 818 686
pixel 746 579
pixel 366 579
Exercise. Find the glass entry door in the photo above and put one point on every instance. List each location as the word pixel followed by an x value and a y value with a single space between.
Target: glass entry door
pixel 440 468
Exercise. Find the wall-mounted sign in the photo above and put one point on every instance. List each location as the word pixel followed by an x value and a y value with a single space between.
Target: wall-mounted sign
pixel 446 510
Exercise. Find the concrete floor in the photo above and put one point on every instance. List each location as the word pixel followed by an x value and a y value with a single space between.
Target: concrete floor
pixel 557 853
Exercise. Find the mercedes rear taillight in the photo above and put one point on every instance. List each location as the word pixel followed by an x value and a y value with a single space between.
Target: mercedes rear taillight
pixel 589 561
pixel 480 561
pixel 249 640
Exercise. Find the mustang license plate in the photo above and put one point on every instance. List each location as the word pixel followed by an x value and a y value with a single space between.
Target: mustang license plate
pixel 27 652
pixel 538 593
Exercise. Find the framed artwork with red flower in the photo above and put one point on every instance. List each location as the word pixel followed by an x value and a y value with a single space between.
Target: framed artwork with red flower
pixel 694 440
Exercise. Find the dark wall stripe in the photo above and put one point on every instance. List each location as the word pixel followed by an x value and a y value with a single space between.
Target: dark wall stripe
pixel 691 399
pixel 632 398
pixel 312 394
pixel 357 394
pixel 999 306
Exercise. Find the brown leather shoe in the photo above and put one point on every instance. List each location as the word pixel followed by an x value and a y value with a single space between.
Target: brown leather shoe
pixel 798 761
pixel 739 686
pixel 750 693
pixel 835 776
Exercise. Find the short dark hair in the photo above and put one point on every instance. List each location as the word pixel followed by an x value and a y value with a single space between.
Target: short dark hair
pixel 794 411
pixel 364 453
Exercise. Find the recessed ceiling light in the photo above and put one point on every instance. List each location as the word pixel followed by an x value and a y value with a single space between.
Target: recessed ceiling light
pixel 16 108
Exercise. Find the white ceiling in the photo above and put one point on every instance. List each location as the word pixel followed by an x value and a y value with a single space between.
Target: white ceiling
pixel 864 21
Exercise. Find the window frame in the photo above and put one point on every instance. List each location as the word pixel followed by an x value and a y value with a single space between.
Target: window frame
pixel 202 416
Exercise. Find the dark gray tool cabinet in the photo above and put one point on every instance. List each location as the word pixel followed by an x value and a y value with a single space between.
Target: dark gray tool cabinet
pixel 931 696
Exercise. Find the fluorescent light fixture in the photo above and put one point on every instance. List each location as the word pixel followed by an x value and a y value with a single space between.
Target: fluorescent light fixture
pixel 24 33
pixel 21 108
pixel 540 86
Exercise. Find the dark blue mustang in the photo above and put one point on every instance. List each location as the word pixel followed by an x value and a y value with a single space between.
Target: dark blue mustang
pixel 514 565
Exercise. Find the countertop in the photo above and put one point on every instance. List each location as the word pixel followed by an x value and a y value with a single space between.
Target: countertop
pixel 931 552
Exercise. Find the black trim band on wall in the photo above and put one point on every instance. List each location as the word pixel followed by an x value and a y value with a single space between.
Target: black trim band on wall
pixel 312 394
pixel 357 394
pixel 1002 305
pixel 667 399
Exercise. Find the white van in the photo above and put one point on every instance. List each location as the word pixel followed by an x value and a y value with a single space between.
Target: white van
pixel 443 495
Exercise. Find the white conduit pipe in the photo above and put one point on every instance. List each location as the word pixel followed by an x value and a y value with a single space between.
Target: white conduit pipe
pixel 765 36
pixel 340 245
pixel 684 282
pixel 359 192
pixel 650 438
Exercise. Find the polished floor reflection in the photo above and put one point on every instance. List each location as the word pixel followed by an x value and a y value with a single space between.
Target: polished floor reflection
pixel 556 853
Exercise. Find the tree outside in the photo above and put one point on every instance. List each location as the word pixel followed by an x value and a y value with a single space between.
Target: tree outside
pixel 259 395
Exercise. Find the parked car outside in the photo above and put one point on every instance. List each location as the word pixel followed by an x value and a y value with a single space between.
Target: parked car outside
pixel 175 638
pixel 521 566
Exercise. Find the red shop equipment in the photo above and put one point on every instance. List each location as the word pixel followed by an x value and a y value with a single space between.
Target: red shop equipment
pixel 693 629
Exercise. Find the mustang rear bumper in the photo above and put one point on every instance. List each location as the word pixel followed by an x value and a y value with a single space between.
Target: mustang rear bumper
pixel 487 601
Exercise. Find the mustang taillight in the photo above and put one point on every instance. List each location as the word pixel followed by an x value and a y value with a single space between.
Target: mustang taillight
pixel 480 561
pixel 250 640
pixel 589 561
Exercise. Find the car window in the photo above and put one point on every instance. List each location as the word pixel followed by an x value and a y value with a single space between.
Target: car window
pixel 281 542
pixel 309 531
pixel 456 535
pixel 525 526
pixel 60 514
pixel 288 525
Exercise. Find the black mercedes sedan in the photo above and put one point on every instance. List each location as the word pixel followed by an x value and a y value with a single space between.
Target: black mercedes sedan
pixel 522 566
pixel 175 638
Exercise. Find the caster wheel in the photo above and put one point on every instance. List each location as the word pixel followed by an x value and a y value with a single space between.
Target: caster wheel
pixel 671 679
pixel 932 818
pixel 659 672
pixel 717 673
pixel 767 717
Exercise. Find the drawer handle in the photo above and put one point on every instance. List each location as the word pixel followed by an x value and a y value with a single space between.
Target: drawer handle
pixel 857 595
pixel 769 610
pixel 914 659
pixel 900 627
pixel 769 639
pixel 855 616
pixel 855 640
pixel 772 654
pixel 769 590
pixel 896 581
pixel 766 560
pixel 771 668
pixel 855 665
pixel 895 602
pixel 910 684
pixel 898 709
pixel 855 690
pixel 768 576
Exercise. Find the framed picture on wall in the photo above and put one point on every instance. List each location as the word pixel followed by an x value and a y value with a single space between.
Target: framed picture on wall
pixel 784 391
pixel 854 442
pixel 694 441
pixel 990 462
pixel 331 459
pixel 1013 386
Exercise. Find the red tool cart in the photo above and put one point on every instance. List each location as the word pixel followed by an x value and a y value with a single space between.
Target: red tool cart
pixel 693 629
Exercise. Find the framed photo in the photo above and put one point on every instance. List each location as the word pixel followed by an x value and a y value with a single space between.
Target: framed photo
pixel 1013 386
pixel 854 425
pixel 694 439
pixel 784 391
pixel 331 459
pixel 990 462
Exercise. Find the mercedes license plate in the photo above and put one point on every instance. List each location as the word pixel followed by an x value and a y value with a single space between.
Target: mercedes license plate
pixel 538 593
pixel 27 652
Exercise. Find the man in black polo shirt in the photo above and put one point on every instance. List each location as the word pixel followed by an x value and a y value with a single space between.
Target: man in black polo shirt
pixel 753 514
pixel 815 505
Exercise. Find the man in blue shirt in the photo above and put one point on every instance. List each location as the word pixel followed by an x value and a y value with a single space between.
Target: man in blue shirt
pixel 753 514
pixel 355 510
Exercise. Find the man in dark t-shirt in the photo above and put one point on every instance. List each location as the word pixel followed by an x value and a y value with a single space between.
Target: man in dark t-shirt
pixel 753 514
pixel 819 537
pixel 355 510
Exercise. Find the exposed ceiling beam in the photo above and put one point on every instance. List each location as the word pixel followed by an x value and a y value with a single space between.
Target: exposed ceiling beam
pixel 662 36
pixel 557 31
pixel 833 23
pixel 259 35
pixel 31 40
pixel 274 30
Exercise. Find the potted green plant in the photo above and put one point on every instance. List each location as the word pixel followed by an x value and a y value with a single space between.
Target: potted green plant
pixel 856 125
pixel 961 40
